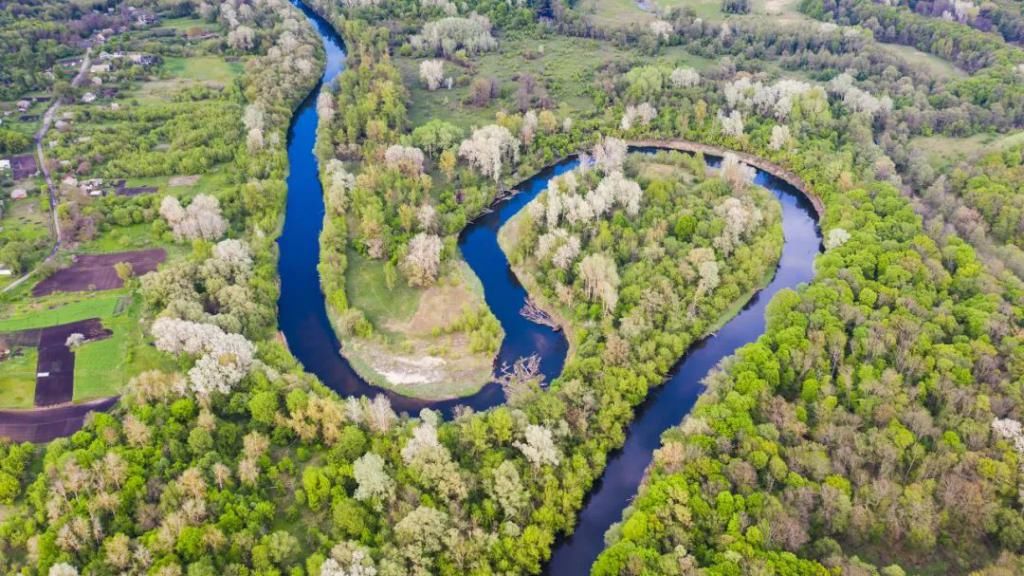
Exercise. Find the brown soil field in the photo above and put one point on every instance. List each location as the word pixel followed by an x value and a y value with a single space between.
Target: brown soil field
pixel 96 271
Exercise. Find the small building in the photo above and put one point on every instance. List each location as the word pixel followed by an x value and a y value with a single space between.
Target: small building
pixel 24 105
pixel 24 166
pixel 5 165
pixel 4 271
pixel 99 69
pixel 93 186
pixel 115 106
pixel 19 194
pixel 88 97
pixel 69 181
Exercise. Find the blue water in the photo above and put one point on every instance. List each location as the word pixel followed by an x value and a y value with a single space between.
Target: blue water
pixel 303 317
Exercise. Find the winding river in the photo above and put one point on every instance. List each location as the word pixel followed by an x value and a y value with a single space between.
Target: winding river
pixel 305 325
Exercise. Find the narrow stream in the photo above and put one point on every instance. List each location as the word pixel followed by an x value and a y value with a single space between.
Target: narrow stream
pixel 303 316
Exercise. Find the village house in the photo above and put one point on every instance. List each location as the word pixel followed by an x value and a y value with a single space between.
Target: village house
pixel 19 194
pixel 93 186
pixel 5 271
pixel 5 165
pixel 99 69
pixel 24 105
pixel 24 166
pixel 69 181
pixel 88 97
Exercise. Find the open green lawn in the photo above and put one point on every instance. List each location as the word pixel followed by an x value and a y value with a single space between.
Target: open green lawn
pixel 184 24
pixel 935 66
pixel 368 291
pixel 18 379
pixel 49 312
pixel 946 149
pixel 567 68
pixel 617 12
pixel 182 72
pixel 203 68
pixel 212 181
pixel 102 367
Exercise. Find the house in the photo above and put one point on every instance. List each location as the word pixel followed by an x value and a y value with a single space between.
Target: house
pixel 93 186
pixel 19 194
pixel 24 166
pixel 88 97
pixel 69 181
pixel 99 69
pixel 142 59
pixel 5 165
pixel 6 271
pixel 24 105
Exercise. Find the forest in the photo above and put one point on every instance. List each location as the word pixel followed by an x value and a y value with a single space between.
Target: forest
pixel 874 428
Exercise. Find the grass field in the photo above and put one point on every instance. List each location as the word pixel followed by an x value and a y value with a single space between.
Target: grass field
pixel 60 310
pixel 935 66
pixel 567 67
pixel 185 24
pixel 368 291
pixel 946 149
pixel 18 380
pixel 412 350
pixel 203 69
pixel 101 367
pixel 181 72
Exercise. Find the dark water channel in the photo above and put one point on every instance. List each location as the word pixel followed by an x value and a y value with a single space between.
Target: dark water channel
pixel 303 316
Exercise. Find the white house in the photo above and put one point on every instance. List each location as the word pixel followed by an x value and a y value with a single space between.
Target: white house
pixel 5 165
pixel 88 97
pixel 19 194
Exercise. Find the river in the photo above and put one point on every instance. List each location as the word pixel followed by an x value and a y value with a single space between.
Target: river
pixel 304 322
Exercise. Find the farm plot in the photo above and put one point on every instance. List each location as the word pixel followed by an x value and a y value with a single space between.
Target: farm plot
pixel 97 272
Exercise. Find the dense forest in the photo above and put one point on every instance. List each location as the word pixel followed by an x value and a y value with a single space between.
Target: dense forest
pixel 875 427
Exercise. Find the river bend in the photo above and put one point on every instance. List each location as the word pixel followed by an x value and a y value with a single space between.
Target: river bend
pixel 303 317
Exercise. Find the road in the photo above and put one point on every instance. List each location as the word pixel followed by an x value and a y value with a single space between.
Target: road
pixel 48 117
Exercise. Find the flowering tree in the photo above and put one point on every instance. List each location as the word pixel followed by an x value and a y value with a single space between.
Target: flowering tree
pixel 432 73
pixel 684 77
pixel 780 137
pixel 223 359
pixel 408 159
pixel 202 219
pixel 732 124
pixel 600 280
pixel 371 478
pixel 639 115
pixel 489 148
pixel 609 154
pixel 539 447
pixel 423 260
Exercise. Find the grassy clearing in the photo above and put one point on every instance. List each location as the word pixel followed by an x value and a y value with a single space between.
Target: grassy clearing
pixel 368 291
pixel 180 73
pixel 18 379
pixel 52 311
pixel 616 13
pixel 567 68
pixel 937 67
pixel 101 367
pixel 203 69
pixel 186 24
pixel 945 149
pixel 412 351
